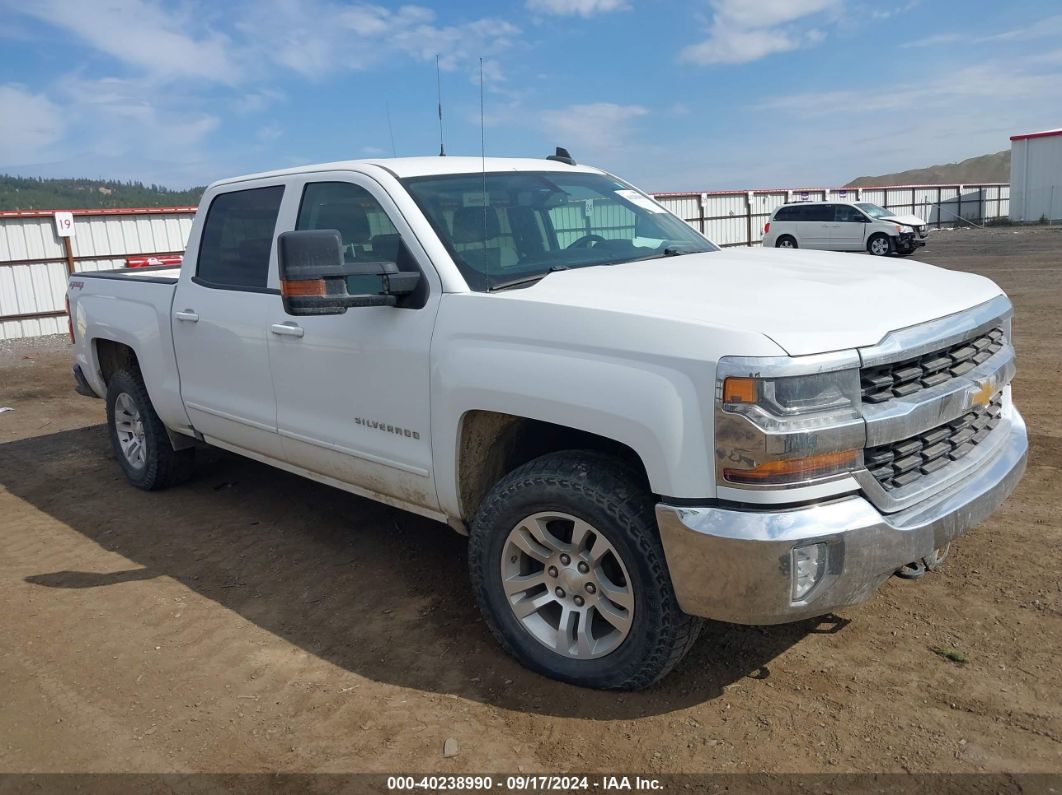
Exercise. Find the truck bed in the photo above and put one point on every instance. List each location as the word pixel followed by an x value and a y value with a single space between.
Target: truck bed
pixel 132 307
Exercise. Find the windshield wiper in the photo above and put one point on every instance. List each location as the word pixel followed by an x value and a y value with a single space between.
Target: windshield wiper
pixel 667 252
pixel 525 279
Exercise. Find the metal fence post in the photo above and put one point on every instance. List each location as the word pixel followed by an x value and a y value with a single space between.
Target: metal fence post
pixel 748 218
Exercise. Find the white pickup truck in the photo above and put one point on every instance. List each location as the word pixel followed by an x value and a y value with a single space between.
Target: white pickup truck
pixel 635 428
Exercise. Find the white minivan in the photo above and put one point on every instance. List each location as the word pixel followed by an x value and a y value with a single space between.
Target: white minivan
pixel 845 226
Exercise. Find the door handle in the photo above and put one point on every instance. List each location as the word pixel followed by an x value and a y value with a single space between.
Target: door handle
pixel 187 314
pixel 288 329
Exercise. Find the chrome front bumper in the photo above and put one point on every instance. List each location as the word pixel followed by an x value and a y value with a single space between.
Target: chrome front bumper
pixel 735 565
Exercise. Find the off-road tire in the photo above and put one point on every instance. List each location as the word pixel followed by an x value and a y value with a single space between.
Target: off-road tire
pixel 163 466
pixel 610 496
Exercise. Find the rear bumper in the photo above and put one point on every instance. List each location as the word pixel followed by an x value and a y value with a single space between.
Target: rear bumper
pixel 735 565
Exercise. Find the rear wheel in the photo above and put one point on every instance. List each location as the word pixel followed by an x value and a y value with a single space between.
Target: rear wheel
pixel 879 245
pixel 570 575
pixel 786 241
pixel 139 438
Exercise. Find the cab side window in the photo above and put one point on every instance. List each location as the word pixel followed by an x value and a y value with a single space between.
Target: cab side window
pixel 238 238
pixel 845 213
pixel 367 232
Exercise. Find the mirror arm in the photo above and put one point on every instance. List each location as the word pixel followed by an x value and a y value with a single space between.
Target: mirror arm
pixel 401 283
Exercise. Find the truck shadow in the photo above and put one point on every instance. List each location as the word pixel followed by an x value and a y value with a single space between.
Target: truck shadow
pixel 380 592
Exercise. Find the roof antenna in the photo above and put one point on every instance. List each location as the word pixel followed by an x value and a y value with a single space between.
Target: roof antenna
pixel 438 89
pixel 483 156
pixel 562 156
pixel 390 129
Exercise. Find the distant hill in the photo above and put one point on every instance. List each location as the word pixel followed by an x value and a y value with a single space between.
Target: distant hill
pixel 30 193
pixel 985 168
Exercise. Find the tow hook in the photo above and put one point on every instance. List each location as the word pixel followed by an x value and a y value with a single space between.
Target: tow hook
pixel 912 571
pixel 931 562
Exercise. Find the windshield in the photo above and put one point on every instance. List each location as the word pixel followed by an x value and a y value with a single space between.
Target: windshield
pixel 874 211
pixel 505 228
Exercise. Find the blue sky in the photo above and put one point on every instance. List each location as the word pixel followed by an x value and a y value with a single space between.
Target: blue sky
pixel 693 95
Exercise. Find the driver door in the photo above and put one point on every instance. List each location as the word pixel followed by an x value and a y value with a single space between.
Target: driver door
pixel 352 389
pixel 849 229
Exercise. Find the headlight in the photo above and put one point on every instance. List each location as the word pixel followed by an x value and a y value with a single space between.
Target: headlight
pixel 794 401
pixel 773 428
pixel 903 229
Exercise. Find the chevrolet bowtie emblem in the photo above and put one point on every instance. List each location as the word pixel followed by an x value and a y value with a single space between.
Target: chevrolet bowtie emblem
pixel 982 396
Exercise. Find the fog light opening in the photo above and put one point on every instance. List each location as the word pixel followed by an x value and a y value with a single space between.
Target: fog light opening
pixel 809 564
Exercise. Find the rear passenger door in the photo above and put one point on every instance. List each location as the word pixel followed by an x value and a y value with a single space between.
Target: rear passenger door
pixel 817 226
pixel 221 310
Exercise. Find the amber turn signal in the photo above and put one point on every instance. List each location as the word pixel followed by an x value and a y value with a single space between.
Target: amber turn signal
pixel 795 469
pixel 739 390
pixel 303 287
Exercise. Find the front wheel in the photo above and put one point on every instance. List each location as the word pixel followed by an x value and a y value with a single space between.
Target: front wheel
pixel 569 573
pixel 139 438
pixel 879 245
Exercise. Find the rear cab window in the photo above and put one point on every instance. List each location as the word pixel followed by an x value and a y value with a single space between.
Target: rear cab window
pixel 237 239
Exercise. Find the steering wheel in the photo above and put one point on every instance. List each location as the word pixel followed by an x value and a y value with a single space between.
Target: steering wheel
pixel 586 241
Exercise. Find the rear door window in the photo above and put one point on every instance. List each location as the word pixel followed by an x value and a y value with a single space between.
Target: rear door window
pixel 820 212
pixel 238 238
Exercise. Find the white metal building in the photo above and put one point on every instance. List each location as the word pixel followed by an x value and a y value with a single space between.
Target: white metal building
pixel 1036 176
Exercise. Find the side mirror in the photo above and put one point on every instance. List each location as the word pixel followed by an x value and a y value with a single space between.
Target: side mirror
pixel 313 275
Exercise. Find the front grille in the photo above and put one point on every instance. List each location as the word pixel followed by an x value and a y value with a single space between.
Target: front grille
pixel 901 463
pixel 899 379
pixel 923 230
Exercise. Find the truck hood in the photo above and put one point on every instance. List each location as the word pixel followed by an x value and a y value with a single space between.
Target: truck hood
pixel 910 220
pixel 805 301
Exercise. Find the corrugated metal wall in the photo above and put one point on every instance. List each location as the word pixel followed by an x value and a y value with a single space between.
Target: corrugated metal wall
pixel 736 218
pixel 1036 175
pixel 34 261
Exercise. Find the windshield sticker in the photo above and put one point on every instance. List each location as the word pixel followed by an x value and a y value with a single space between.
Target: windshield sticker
pixel 634 197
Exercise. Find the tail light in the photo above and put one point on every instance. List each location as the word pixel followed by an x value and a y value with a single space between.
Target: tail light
pixel 69 321
pixel 767 227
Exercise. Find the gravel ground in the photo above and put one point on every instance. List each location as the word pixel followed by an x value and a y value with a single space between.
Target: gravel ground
pixel 252 621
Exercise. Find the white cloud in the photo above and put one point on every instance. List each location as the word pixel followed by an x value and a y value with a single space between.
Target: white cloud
pixel 747 30
pixel 257 101
pixel 318 37
pixel 581 8
pixel 29 124
pixel 596 126
pixel 934 41
pixel 118 116
pixel 141 34
pixel 269 132
pixel 839 135
pixel 1050 27
pixel 880 12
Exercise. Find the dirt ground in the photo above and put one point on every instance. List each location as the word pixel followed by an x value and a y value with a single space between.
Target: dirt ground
pixel 253 621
